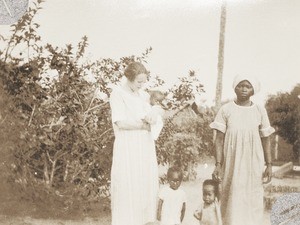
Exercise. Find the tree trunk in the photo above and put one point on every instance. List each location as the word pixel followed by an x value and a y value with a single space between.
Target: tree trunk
pixel 52 172
pixel 276 147
pixel 221 56
pixel 46 172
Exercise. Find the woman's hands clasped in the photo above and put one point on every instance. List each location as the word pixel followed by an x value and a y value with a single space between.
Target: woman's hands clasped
pixel 147 121
pixel 150 118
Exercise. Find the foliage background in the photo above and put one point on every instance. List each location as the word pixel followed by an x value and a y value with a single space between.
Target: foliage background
pixel 56 131
pixel 57 141
pixel 284 111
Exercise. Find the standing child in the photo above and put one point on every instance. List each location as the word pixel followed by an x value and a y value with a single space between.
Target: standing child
pixel 172 199
pixel 209 213
pixel 155 116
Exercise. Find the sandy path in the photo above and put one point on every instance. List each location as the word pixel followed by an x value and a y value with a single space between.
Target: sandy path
pixel 192 188
pixel 31 221
pixel 194 193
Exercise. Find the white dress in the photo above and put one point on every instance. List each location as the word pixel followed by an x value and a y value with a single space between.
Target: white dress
pixel 134 174
pixel 172 205
pixel 243 167
pixel 156 113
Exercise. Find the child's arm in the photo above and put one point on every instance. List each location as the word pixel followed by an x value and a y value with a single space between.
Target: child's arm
pixel 153 114
pixel 160 203
pixel 182 212
pixel 198 214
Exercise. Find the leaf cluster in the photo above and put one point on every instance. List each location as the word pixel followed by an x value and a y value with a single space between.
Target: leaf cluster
pixel 284 111
pixel 57 118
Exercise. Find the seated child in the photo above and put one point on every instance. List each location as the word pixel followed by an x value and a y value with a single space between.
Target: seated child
pixel 155 115
pixel 209 213
pixel 172 199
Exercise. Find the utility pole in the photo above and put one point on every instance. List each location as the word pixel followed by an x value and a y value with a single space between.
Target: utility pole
pixel 221 56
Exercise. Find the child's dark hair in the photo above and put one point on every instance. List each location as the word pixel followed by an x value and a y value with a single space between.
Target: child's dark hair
pixel 156 96
pixel 213 183
pixel 175 169
pixel 156 93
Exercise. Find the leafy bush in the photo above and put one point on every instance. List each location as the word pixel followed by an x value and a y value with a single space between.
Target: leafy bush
pixel 186 136
pixel 59 132
pixel 284 110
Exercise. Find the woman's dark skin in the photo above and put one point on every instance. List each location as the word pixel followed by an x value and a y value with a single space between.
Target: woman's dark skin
pixel 244 91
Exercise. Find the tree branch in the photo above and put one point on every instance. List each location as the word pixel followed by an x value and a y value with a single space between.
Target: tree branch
pixel 31 116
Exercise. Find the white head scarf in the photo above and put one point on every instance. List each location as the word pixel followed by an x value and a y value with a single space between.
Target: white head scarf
pixel 253 81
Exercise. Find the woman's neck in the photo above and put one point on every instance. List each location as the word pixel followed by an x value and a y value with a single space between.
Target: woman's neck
pixel 130 89
pixel 243 102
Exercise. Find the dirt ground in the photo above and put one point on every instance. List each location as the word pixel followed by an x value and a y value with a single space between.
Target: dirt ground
pixel 192 188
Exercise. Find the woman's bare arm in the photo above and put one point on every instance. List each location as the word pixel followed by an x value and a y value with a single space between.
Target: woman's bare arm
pixel 219 142
pixel 268 158
pixel 219 147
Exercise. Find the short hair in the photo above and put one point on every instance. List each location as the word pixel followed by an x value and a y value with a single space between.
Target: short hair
pixel 174 169
pixel 213 183
pixel 155 94
pixel 134 69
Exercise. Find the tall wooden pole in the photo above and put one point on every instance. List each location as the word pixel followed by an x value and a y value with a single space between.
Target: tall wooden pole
pixel 221 56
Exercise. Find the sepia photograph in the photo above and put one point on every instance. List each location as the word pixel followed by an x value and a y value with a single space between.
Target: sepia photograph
pixel 149 112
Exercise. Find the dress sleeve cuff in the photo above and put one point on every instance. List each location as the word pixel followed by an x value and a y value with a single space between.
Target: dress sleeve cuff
pixel 265 132
pixel 218 126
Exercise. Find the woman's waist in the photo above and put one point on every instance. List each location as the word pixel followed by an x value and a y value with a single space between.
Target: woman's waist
pixel 242 130
pixel 131 133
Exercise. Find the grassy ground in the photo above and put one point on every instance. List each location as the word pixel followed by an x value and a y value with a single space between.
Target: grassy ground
pixel 21 214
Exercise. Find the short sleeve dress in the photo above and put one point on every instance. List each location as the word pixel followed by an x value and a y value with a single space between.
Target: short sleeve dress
pixel 243 167
pixel 134 174
pixel 172 205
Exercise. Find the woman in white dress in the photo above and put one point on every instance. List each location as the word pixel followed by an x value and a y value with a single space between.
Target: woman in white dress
pixel 134 174
pixel 242 148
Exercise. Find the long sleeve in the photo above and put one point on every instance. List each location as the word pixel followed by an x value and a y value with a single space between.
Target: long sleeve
pixel 117 104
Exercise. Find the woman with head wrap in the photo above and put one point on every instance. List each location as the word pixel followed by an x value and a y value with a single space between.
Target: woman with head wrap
pixel 242 147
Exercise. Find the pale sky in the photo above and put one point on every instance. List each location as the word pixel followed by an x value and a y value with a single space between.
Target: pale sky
pixel 262 37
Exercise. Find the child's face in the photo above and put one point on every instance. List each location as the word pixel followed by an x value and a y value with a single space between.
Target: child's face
pixel 208 194
pixel 175 180
pixel 244 90
pixel 156 98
